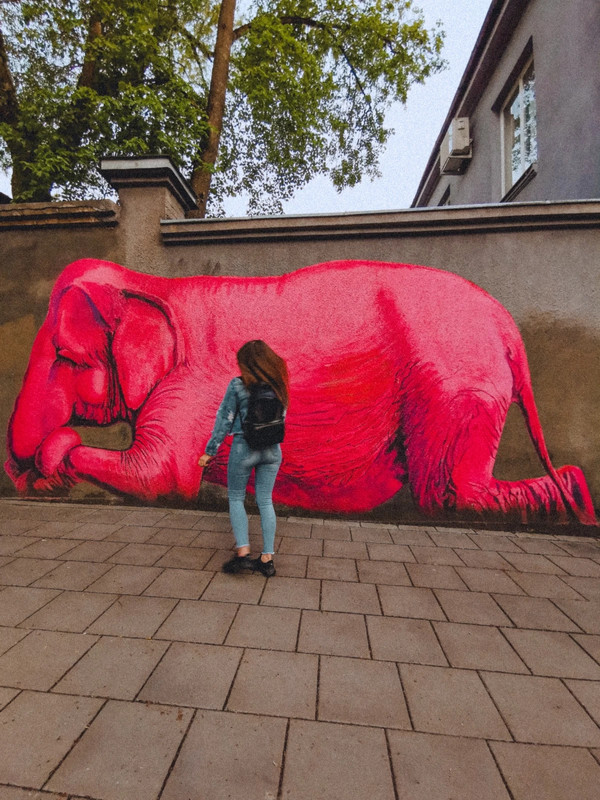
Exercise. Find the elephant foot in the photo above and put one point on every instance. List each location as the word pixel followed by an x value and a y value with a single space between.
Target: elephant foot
pixel 532 500
pixel 579 493
pixel 30 482
pixel 22 479
pixel 53 450
pixel 54 486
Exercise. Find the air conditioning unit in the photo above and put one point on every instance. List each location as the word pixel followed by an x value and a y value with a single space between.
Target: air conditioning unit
pixel 456 150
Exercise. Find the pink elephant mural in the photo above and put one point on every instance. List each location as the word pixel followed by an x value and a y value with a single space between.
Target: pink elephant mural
pixel 399 374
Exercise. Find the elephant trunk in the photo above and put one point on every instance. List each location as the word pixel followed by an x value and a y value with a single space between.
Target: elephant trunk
pixel 42 405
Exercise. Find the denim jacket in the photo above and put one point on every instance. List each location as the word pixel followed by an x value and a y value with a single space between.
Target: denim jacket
pixel 232 412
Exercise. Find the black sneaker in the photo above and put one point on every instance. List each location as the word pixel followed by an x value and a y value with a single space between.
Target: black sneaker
pixel 238 564
pixel 267 568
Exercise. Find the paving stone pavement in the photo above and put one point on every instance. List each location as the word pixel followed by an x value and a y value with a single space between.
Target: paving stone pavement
pixel 383 662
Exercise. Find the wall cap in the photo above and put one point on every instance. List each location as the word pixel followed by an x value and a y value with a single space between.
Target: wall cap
pixel 59 214
pixel 145 172
pixel 446 220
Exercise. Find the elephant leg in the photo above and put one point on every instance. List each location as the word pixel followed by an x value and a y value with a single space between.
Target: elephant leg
pixel 560 498
pixel 530 499
pixel 138 472
pixel 163 458
pixel 450 452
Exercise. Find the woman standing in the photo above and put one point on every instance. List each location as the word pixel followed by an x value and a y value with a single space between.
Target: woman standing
pixel 258 364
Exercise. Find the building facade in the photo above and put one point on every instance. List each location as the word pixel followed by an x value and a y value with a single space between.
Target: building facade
pixel 523 125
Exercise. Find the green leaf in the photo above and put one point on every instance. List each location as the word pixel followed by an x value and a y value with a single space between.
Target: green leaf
pixel 309 84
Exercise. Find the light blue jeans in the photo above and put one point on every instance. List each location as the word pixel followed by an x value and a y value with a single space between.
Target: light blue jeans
pixel 265 463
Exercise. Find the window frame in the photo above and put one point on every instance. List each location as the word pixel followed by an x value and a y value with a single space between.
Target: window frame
pixel 516 89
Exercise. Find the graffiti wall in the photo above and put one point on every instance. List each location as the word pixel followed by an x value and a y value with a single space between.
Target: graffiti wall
pixel 399 375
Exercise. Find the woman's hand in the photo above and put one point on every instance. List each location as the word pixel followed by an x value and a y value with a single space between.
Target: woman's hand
pixel 203 460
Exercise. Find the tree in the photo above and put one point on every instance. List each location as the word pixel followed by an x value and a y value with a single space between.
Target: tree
pixel 259 103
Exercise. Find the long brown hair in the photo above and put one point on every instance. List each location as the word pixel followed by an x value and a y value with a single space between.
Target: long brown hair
pixel 259 364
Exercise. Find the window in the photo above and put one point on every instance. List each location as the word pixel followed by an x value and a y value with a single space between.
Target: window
pixel 519 130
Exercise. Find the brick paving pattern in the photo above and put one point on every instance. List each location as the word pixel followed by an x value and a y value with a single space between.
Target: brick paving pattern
pixel 383 662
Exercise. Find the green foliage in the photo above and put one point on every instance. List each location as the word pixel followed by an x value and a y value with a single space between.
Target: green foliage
pixel 138 97
pixel 310 99
pixel 309 84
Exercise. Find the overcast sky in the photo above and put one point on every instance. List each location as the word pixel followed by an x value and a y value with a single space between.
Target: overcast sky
pixel 416 125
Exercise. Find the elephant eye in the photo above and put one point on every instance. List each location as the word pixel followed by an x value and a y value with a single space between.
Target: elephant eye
pixel 66 356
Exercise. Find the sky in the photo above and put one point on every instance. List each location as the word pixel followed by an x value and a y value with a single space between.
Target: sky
pixel 416 126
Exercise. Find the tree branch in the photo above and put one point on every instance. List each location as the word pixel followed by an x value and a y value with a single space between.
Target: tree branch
pixel 355 75
pixel 309 22
pixel 285 20
pixel 10 114
pixel 9 104
pixel 196 45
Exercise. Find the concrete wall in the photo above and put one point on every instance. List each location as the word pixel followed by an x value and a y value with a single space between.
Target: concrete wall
pixel 539 260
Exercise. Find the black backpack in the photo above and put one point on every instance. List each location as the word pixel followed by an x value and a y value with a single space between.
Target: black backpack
pixel 264 423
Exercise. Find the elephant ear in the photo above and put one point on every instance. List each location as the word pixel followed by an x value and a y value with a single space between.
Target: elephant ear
pixel 144 349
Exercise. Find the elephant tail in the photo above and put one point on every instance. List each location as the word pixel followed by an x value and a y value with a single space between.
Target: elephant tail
pixel 570 481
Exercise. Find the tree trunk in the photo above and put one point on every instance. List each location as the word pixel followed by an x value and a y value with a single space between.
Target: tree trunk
pixel 73 126
pixel 88 69
pixel 9 111
pixel 202 174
